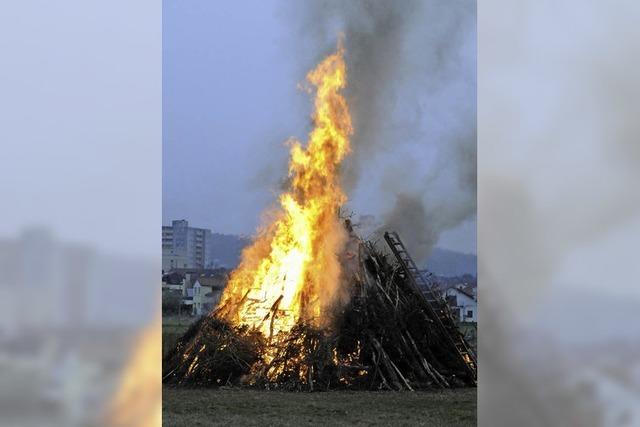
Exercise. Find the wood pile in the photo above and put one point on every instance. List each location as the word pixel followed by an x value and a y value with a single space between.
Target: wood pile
pixel 384 338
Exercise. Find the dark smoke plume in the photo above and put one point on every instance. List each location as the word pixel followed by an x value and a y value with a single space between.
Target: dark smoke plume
pixel 412 88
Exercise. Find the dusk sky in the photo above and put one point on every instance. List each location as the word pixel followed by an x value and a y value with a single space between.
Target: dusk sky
pixel 230 101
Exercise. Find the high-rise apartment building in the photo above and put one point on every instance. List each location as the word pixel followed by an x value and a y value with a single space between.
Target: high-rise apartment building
pixel 186 247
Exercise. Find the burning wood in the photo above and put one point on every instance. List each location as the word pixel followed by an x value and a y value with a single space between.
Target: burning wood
pixel 385 337
pixel 311 306
pixel 291 272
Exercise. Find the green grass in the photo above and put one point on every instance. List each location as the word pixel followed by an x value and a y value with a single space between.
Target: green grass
pixel 233 406
pixel 173 327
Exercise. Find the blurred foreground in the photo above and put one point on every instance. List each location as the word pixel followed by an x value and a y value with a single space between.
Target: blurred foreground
pixel 558 213
pixel 67 340
pixel 80 122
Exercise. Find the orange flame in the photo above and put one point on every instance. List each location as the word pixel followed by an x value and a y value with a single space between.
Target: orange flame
pixel 291 272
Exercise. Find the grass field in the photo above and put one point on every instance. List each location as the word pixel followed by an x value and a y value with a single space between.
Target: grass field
pixel 241 407
pixel 172 328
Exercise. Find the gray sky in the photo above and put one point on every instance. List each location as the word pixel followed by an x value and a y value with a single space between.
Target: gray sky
pixel 229 102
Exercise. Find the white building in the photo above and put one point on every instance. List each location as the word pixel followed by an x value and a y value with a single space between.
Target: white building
pixel 462 303
pixel 202 299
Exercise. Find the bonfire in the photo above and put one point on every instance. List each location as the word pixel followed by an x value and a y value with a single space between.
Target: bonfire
pixel 312 306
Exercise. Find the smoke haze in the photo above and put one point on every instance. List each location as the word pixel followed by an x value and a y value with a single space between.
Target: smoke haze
pixel 412 92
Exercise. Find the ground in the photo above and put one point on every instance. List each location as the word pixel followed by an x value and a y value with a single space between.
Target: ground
pixel 172 328
pixel 232 406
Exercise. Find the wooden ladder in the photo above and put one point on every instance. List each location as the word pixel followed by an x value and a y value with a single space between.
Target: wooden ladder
pixel 438 309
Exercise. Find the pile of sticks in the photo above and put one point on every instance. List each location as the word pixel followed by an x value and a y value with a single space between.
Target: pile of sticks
pixel 383 339
pixel 212 353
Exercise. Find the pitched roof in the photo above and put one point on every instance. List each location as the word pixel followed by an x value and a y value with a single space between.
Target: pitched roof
pixel 463 291
pixel 173 278
pixel 215 282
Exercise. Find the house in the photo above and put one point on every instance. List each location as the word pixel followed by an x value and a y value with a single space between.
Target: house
pixel 168 286
pixel 214 280
pixel 202 299
pixel 215 285
pixel 462 303
pixel 197 290
pixel 207 289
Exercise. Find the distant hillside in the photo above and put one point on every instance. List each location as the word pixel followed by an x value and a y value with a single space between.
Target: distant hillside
pixel 227 249
pixel 444 262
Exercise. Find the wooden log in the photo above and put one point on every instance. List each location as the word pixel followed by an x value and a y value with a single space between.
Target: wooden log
pixel 384 358
pixel 439 379
pixel 406 383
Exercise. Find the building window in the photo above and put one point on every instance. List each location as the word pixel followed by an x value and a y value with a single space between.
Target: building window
pixel 469 313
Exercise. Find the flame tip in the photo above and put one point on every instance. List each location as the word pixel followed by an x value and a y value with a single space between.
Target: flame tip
pixel 290 273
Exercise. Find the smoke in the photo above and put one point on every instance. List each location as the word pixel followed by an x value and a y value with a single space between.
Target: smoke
pixel 411 91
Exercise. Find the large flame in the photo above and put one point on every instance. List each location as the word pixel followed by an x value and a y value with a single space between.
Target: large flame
pixel 291 272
